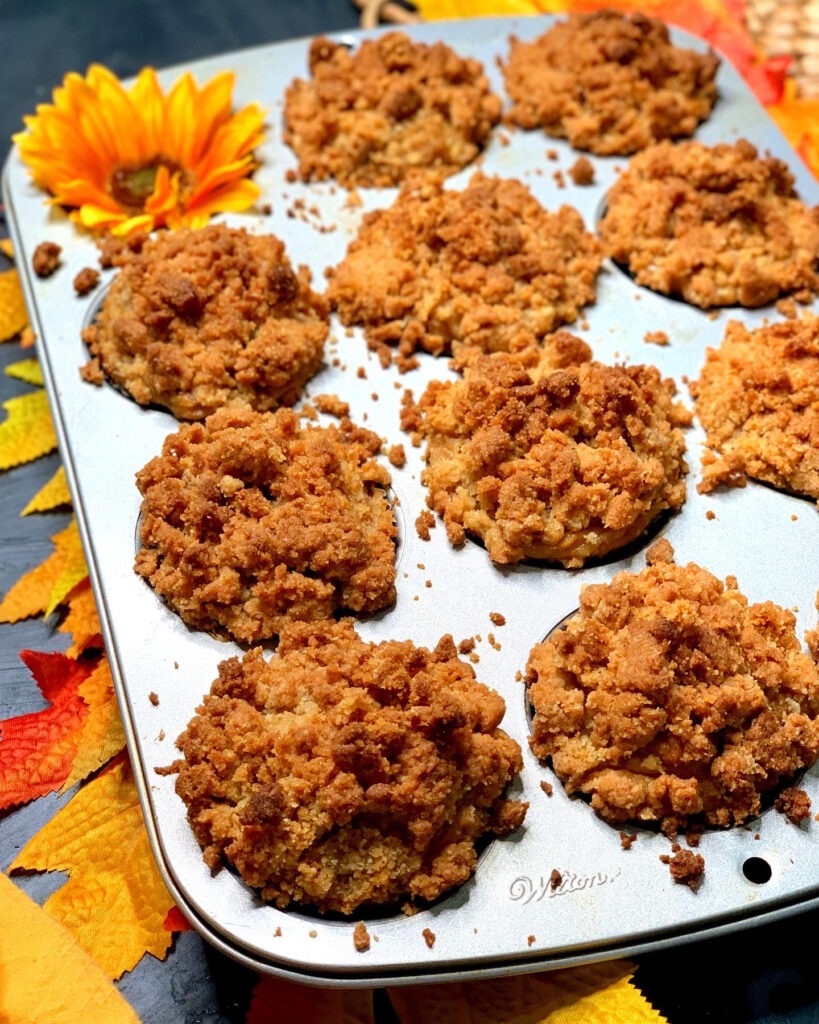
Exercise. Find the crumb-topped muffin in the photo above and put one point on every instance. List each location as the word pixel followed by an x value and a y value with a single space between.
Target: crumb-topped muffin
pixel 485 265
pixel 198 319
pixel 714 225
pixel 340 774
pixel 608 82
pixel 370 116
pixel 249 520
pixel 669 698
pixel 757 397
pixel 547 454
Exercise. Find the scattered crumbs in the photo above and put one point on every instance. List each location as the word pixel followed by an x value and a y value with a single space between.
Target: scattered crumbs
pixel 714 314
pixel 397 455
pixel 710 514
pixel 794 803
pixel 627 840
pixel 474 657
pixel 313 933
pixel 176 664
pixel 656 338
pixel 415 597
pixel 638 297
pixel 757 836
pixel 555 879
pixel 46 259
pixel 154 698
pixel 518 676
pixel 361 373
pixel 361 937
pixel 161 735
pixel 429 937
pixel 424 523
pixel 584 325
pixel 86 280
pixel 560 180
pixel 332 405
pixel 582 171
pixel 493 642
pixel 420 565
pixel 503 139
pixel 551 154
pixel 497 619
pixel 547 787
pixel 278 933
pixel 787 307
pixel 291 176
pixel 794 517
pixel 686 868
pixel 428 584
pixel 374 396
pixel 693 838
pixel 354 200
pixel 465 646
pixel 530 940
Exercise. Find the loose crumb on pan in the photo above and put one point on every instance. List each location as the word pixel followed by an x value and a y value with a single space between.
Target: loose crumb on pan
pixel 608 82
pixel 627 840
pixel 582 171
pixel 757 397
pixel 547 454
pixel 153 698
pixel 555 879
pixel 424 523
pixel 361 937
pixel 359 774
pixel 371 116
pixel 794 803
pixel 530 940
pixel 656 338
pixel 199 319
pixel 686 867
pixel 332 405
pixel 486 265
pixel 429 937
pixel 618 718
pixel 547 787
pixel 251 519
pixel 497 619
pixel 397 456
pixel 46 259
pixel 716 225
pixel 86 280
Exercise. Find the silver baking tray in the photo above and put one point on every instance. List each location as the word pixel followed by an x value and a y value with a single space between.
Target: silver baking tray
pixel 507 918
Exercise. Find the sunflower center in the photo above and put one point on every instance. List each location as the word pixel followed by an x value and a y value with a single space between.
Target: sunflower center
pixel 133 186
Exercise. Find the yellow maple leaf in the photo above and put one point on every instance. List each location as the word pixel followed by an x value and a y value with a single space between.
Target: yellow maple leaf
pixel 28 370
pixel 102 736
pixel 7 248
pixel 13 314
pixel 73 569
pixel 28 431
pixel 53 494
pixel 595 994
pixel 34 593
pixel 81 622
pixel 115 902
pixel 44 974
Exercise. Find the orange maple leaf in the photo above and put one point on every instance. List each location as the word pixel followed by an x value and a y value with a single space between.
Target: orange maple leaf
pixel 115 902
pixel 82 621
pixel 44 587
pixel 38 749
pixel 288 1003
pixel 101 735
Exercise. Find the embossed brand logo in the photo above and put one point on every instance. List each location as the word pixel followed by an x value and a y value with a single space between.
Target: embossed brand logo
pixel 532 890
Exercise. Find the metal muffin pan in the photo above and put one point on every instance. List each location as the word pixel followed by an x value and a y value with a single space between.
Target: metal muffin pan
pixel 507 918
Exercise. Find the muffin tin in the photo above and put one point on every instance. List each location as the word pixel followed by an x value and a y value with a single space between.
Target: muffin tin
pixel 508 918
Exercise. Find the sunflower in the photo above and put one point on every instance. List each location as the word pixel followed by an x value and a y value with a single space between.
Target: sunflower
pixel 136 159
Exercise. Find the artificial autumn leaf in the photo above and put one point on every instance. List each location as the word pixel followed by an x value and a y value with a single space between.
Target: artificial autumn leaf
pixel 102 735
pixel 27 433
pixel 34 593
pixel 13 314
pixel 7 248
pixel 81 621
pixel 288 1003
pixel 28 370
pixel 115 902
pixel 37 749
pixel 54 494
pixel 44 974
pixel 596 994
pixel 73 569
pixel 27 338
pixel 798 119
pixel 175 921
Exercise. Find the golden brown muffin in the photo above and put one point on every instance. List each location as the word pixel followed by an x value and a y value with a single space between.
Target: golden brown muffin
pixel 486 265
pixel 560 464
pixel 608 82
pixel 758 399
pixel 252 519
pixel 341 774
pixel 198 319
pixel 715 225
pixel 371 116
pixel 669 698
